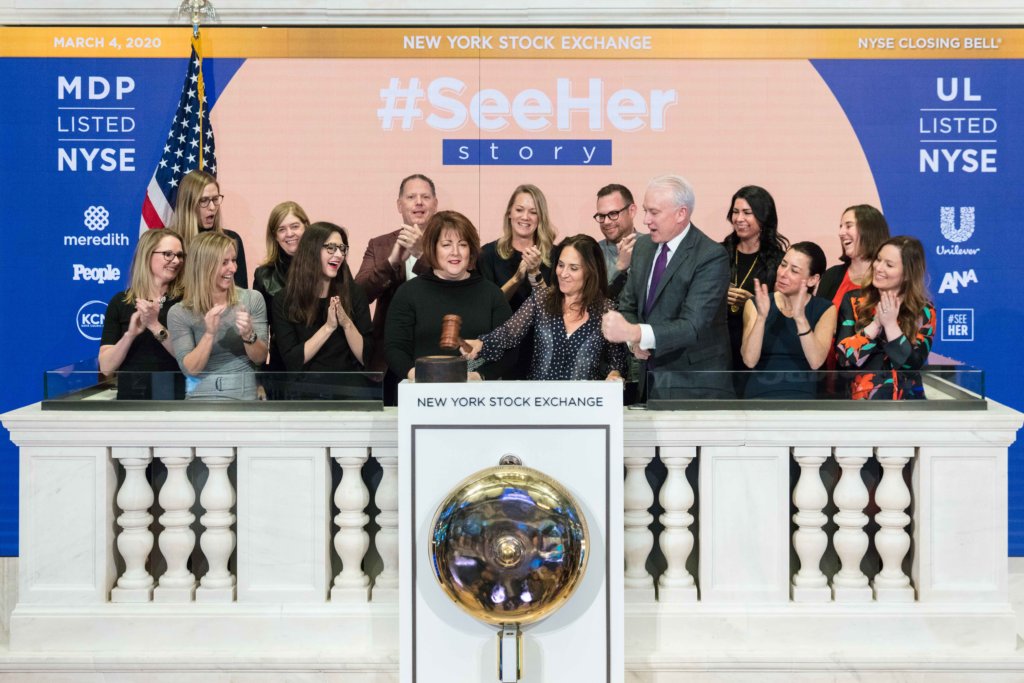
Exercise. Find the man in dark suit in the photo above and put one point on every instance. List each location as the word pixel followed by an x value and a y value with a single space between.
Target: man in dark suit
pixel 393 258
pixel 672 311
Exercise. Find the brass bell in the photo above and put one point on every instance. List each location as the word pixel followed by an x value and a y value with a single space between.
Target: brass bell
pixel 509 547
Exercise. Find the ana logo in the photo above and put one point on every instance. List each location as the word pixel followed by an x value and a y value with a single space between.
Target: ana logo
pixel 90 319
pixel 97 275
pixel 952 282
pixel 956 324
pixel 947 223
pixel 97 218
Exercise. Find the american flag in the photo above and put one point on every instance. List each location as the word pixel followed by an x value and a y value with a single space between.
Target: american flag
pixel 189 146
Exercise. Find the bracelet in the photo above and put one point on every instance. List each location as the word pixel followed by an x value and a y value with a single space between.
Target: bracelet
pixel 535 280
pixel 804 334
pixel 252 338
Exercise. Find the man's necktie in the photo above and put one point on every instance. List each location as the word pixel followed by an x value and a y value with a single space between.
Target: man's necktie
pixel 659 270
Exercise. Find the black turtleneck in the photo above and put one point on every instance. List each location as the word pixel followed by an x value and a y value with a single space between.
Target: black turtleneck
pixel 414 319
pixel 269 280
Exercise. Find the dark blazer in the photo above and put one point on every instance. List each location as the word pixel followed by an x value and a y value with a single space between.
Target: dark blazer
pixel 688 316
pixel 380 282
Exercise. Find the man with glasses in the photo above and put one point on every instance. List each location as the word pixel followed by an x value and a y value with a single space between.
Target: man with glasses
pixel 393 258
pixel 615 213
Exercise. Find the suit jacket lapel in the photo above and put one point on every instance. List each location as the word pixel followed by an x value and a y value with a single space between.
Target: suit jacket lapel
pixel 645 261
pixel 675 262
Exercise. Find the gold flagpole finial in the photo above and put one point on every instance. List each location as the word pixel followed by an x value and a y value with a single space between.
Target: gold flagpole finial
pixel 194 9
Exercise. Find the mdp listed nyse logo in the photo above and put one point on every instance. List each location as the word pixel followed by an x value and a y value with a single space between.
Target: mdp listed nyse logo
pixel 947 223
pixel 957 324
pixel 97 218
pixel 90 319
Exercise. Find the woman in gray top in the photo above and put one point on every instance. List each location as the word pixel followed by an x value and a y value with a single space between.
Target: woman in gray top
pixel 219 331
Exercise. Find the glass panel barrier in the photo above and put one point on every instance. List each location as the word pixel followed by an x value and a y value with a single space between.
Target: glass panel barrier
pixel 931 388
pixel 82 386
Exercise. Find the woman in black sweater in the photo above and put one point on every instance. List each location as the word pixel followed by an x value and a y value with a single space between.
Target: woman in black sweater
pixel 451 246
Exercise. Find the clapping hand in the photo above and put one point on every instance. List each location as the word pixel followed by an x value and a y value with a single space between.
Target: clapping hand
pixel 888 309
pixel 212 318
pixel 135 324
pixel 530 264
pixel 148 311
pixel 243 322
pixel 798 302
pixel 625 252
pixel 762 299
pixel 338 311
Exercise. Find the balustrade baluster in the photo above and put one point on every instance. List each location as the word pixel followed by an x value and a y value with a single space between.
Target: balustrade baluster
pixel 177 540
pixel 638 539
pixel 385 587
pixel 218 540
pixel 135 541
pixel 851 542
pixel 676 584
pixel 810 540
pixel 892 539
pixel 351 542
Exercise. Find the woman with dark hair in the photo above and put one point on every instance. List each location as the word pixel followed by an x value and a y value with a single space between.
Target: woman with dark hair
pixel 219 331
pixel 862 229
pixel 197 210
pixel 285 226
pixel 520 260
pixel 886 328
pixel 755 249
pixel 565 320
pixel 451 247
pixel 787 333
pixel 322 319
pixel 135 341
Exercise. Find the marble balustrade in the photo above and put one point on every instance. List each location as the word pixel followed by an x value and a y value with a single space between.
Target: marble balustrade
pixel 743 529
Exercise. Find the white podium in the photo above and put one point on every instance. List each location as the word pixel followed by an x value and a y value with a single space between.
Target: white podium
pixel 571 431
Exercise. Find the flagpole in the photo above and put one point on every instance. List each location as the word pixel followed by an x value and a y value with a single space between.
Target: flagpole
pixel 195 9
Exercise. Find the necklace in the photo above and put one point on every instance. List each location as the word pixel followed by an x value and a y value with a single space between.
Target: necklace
pixel 736 273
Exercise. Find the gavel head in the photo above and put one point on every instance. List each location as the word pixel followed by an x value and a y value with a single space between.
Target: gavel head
pixel 451 329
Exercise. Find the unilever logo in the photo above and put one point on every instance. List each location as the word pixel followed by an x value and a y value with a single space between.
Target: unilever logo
pixel 89 319
pixel 97 218
pixel 947 223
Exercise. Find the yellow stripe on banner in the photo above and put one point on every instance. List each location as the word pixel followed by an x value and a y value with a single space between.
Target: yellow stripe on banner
pixel 496 43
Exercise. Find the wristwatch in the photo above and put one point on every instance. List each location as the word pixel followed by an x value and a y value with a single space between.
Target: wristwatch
pixel 161 336
pixel 251 339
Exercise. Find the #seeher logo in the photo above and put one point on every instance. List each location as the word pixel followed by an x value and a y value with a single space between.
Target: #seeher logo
pixel 90 319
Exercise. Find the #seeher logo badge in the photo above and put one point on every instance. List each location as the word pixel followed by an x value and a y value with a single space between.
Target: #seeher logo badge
pixel 90 319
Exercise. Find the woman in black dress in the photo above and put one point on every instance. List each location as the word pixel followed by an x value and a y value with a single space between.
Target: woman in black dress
pixel 322 319
pixel 755 249
pixel 520 260
pixel 787 333
pixel 135 341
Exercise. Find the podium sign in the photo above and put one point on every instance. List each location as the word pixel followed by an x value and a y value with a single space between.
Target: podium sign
pixel 572 433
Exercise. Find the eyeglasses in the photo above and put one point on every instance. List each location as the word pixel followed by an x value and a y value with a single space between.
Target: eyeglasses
pixel 335 248
pixel 611 215
pixel 215 200
pixel 171 255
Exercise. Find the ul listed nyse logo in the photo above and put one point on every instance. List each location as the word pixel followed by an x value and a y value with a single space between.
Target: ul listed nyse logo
pixel 89 319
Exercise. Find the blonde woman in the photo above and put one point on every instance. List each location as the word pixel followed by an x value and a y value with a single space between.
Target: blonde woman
pixel 198 211
pixel 135 341
pixel 520 260
pixel 219 331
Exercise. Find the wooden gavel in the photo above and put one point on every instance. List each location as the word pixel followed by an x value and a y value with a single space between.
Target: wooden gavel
pixel 451 328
